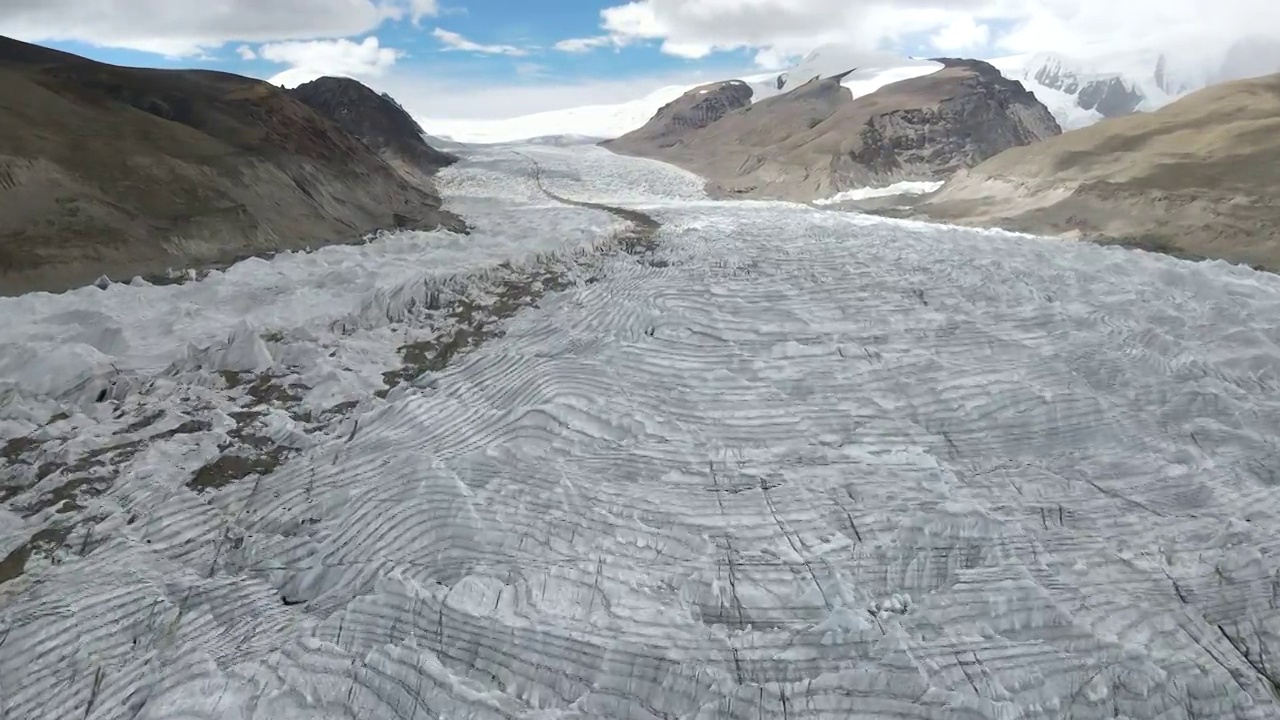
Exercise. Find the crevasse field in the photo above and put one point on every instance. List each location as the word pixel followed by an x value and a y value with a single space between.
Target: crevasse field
pixel 800 463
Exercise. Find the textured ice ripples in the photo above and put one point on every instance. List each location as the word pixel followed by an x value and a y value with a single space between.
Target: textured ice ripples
pixel 818 465
pixel 73 345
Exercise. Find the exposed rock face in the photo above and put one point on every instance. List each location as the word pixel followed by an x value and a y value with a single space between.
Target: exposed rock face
pixel 1161 76
pixel 817 140
pixel 1110 96
pixel 694 110
pixel 978 114
pixel 116 171
pixel 1197 178
pixel 1053 76
pixel 377 119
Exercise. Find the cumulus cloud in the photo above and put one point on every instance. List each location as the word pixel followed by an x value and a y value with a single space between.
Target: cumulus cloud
pixel 587 44
pixel 457 97
pixel 423 8
pixel 532 70
pixel 964 33
pixel 1186 26
pixel 697 28
pixel 187 28
pixel 783 28
pixel 454 41
pixel 317 58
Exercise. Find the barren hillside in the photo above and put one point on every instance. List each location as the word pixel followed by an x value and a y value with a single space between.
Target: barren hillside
pixel 124 171
pixel 1198 178
pixel 817 140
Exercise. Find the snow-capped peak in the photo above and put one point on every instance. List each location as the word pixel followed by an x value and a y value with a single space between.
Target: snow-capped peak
pixel 1081 91
pixel 1065 73
pixel 1078 89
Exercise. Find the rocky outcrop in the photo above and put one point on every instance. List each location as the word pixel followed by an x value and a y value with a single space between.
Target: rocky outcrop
pixel 116 171
pixel 1162 79
pixel 817 140
pixel 375 118
pixel 970 112
pixel 694 110
pixel 1196 178
pixel 1110 96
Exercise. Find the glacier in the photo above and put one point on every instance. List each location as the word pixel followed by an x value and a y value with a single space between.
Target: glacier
pixel 795 462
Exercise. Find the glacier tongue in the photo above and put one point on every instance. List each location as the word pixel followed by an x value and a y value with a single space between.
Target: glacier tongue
pixel 800 463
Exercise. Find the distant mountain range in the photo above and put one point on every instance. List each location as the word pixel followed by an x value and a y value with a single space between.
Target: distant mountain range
pixel 1197 178
pixel 814 137
pixel 1079 91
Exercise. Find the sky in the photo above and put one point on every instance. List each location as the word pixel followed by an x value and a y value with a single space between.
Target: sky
pixel 505 58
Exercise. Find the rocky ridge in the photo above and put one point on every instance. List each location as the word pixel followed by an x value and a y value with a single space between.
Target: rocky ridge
pixel 816 140
pixel 124 172
pixel 694 110
pixel 375 118
pixel 1110 95
pixel 1197 178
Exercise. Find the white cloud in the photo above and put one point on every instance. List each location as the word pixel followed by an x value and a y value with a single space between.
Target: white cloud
pixel 185 28
pixel 454 41
pixel 246 53
pixel 317 58
pixel 532 70
pixel 1184 26
pixel 964 33
pixel 778 30
pixel 697 28
pixel 423 8
pixel 460 96
pixel 587 44
pixel 782 28
pixel 776 59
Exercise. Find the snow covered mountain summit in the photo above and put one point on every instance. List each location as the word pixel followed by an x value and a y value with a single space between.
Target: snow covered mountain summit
pixel 1081 90
pixel 608 121
pixel 1078 90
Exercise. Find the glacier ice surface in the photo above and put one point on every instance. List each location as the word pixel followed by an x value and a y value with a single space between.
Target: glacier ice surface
pixel 812 464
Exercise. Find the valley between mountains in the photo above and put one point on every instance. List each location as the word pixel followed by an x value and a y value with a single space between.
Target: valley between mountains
pixel 779 461
pixel 307 414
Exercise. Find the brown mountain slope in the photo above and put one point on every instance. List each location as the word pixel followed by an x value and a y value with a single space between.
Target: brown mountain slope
pixel 376 119
pixel 817 140
pixel 1199 178
pixel 125 171
pixel 680 118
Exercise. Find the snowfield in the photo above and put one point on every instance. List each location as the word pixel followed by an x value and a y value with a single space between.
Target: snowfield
pixel 592 123
pixel 589 123
pixel 798 463
pixel 906 187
